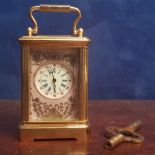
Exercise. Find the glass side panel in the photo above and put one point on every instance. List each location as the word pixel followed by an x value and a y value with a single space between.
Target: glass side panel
pixel 54 84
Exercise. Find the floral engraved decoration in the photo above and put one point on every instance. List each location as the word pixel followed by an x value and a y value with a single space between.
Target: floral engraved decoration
pixel 40 57
pixel 59 111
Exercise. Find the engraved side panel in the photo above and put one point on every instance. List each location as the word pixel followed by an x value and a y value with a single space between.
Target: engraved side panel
pixel 46 102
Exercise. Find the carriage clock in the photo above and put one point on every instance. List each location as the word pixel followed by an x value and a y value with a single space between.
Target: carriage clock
pixel 54 81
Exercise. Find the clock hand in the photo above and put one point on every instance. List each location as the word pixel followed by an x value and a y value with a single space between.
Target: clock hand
pixel 54 80
pixel 54 86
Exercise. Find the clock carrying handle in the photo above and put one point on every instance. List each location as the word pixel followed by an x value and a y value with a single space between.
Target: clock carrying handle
pixel 55 8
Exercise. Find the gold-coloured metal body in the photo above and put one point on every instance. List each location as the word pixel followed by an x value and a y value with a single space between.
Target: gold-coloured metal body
pixel 46 45
pixel 118 135
pixel 55 8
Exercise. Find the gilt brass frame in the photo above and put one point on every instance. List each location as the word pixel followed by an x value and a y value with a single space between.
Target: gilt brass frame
pixel 65 129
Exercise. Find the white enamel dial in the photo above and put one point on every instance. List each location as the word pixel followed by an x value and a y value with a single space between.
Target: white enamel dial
pixel 53 80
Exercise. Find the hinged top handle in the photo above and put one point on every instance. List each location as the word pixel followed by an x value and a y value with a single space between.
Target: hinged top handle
pixel 55 8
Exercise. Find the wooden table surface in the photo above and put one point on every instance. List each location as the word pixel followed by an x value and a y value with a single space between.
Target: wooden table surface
pixel 102 113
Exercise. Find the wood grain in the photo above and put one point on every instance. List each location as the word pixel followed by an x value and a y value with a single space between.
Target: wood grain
pixel 102 113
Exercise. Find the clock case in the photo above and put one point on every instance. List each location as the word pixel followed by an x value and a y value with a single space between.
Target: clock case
pixel 78 129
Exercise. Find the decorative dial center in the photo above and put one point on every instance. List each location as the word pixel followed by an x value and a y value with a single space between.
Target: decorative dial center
pixel 53 80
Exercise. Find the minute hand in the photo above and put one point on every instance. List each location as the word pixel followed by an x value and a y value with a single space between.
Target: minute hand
pixel 54 80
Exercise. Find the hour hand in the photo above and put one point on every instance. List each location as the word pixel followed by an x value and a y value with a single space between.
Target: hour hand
pixel 54 80
pixel 54 86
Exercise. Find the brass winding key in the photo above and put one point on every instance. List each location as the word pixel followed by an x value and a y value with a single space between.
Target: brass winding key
pixel 117 135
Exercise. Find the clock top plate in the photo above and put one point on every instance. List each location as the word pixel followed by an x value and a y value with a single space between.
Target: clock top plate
pixel 55 38
pixel 49 40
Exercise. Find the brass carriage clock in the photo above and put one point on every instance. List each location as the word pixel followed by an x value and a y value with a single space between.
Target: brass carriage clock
pixel 54 81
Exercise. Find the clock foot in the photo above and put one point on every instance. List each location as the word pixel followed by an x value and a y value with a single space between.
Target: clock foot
pixel 31 132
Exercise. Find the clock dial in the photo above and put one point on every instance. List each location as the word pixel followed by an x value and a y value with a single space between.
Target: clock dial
pixel 53 80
